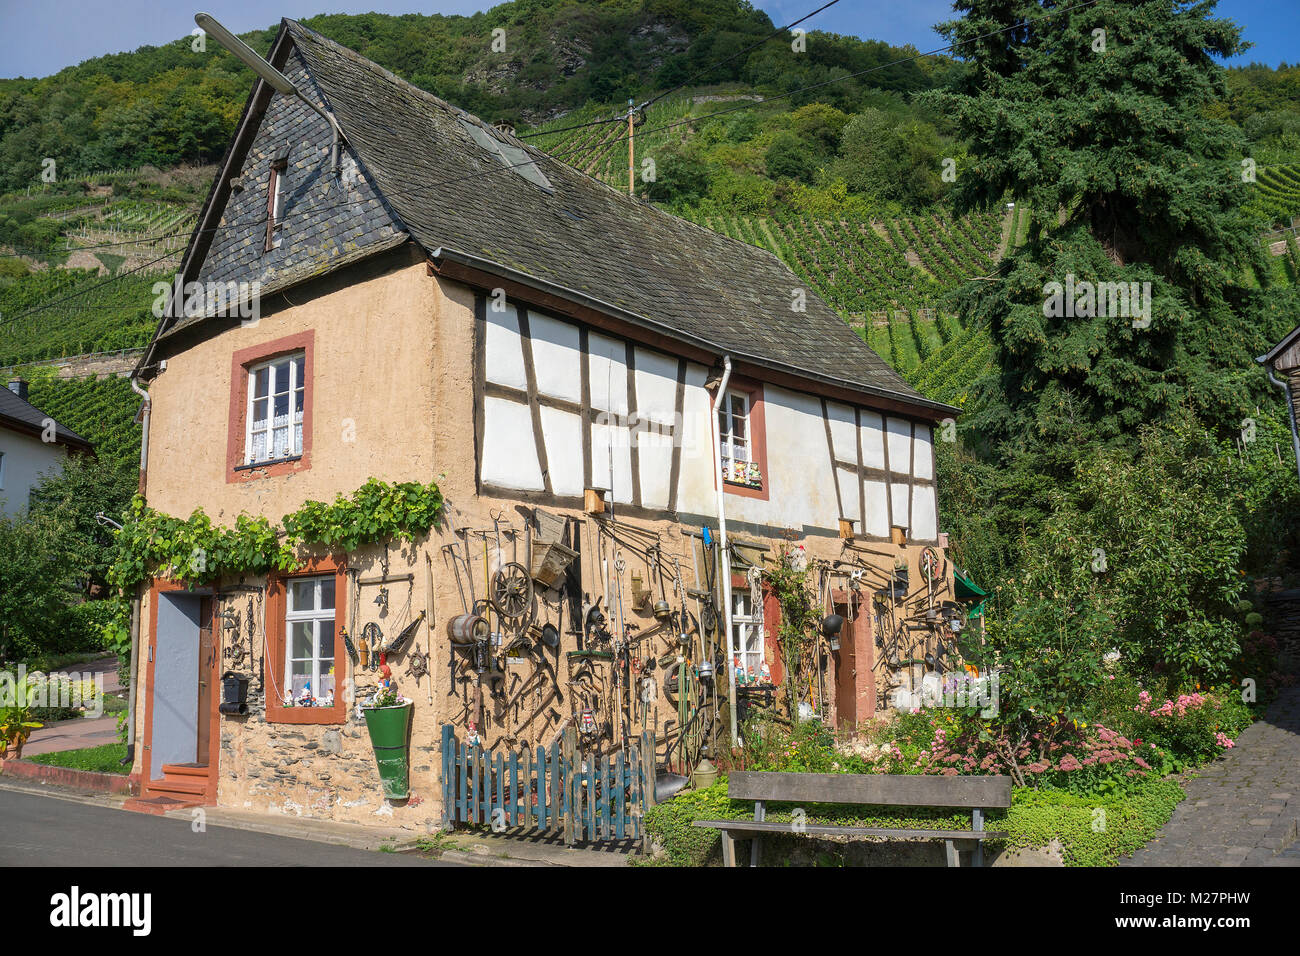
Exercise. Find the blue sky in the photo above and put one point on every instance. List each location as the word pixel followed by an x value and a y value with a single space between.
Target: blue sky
pixel 37 39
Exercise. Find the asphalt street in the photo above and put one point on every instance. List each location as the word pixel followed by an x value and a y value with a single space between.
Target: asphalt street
pixel 37 830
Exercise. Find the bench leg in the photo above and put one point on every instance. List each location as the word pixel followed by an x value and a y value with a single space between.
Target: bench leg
pixel 977 824
pixel 728 848
pixel 950 849
pixel 755 851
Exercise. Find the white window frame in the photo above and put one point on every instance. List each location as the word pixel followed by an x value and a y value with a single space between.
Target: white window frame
pixel 275 204
pixel 727 433
pixel 294 360
pixel 322 621
pixel 739 622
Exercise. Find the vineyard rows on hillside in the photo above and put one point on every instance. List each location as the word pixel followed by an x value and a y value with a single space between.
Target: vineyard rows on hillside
pixel 100 410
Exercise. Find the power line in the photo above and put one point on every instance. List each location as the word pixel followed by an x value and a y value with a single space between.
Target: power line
pixel 707 70
pixel 851 76
pixel 99 285
pixel 508 166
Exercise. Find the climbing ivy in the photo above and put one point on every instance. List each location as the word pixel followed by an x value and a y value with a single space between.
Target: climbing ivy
pixel 196 551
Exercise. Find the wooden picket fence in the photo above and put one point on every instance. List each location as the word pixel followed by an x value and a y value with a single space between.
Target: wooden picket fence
pixel 584 797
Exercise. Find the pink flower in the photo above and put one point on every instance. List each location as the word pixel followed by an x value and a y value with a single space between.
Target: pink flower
pixel 1223 740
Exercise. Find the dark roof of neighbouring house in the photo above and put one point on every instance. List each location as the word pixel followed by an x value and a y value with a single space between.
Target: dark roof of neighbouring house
pixel 20 415
pixel 1268 357
pixel 454 197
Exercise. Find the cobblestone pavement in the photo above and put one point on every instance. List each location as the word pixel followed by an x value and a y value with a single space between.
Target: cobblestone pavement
pixel 1244 808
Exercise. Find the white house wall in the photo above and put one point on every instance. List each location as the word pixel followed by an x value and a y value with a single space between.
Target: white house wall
pixel 547 429
pixel 26 459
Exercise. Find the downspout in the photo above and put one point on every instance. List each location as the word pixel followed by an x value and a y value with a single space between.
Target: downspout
pixel 1290 408
pixel 135 599
pixel 723 548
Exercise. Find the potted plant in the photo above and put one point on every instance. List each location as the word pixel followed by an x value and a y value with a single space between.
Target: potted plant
pixel 388 720
pixel 16 723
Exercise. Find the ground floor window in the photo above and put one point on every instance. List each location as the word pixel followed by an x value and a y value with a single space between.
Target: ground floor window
pixel 309 648
pixel 747 638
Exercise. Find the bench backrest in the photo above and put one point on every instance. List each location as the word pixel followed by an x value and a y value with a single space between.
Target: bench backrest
pixel 870 788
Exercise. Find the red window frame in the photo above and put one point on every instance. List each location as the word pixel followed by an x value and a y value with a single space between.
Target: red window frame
pixel 240 363
pixel 277 633
pixel 757 438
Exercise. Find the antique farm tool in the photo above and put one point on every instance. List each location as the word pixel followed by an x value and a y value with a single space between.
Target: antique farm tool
pixel 512 591
pixel 395 647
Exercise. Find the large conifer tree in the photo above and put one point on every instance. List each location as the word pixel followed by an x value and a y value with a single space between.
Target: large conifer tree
pixel 1098 116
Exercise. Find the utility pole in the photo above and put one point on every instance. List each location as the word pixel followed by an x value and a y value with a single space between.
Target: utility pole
pixel 631 148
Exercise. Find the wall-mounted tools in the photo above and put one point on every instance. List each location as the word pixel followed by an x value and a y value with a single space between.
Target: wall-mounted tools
pixel 468 629
pixel 372 640
pixel 352 648
pixel 512 593
pixel 395 647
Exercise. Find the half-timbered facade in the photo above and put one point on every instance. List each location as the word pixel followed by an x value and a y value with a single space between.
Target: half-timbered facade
pixel 574 368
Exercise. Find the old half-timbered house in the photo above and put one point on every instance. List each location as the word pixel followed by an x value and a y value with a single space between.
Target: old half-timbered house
pixel 574 368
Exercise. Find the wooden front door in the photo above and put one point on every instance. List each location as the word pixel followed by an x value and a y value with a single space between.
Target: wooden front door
pixel 207 679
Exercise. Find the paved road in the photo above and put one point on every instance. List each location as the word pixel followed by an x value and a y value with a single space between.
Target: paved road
pixel 1244 808
pixel 37 830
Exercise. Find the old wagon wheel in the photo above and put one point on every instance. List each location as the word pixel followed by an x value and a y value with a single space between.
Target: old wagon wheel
pixel 512 590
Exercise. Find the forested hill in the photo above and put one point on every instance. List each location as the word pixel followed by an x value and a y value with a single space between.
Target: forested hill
pixel 170 104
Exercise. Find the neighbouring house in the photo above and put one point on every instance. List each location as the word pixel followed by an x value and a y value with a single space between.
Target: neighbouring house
pixel 1282 362
pixel 452 305
pixel 32 445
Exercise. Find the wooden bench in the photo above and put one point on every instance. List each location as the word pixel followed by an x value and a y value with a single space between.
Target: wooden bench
pixel 976 794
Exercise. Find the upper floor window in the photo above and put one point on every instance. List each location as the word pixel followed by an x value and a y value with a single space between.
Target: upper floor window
pixel 276 398
pixel 275 204
pixel 738 441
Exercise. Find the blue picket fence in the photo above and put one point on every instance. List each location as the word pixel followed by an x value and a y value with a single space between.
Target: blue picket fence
pixel 585 797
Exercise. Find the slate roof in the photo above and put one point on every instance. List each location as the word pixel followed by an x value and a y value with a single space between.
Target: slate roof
pixel 450 193
pixel 20 415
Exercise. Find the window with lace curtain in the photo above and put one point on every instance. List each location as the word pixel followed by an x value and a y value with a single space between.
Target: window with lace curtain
pixel 276 398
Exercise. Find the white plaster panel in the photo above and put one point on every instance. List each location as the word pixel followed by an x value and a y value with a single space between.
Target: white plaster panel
pixel 504 355
pixel 607 359
pixel 656 386
pixel 899 436
pixel 849 492
pixel 877 520
pixel 602 435
pixel 923 465
pixel 563 432
pixel 655 454
pixel 800 483
pixel 844 431
pixel 898 494
pixel 873 440
pixel 557 357
pixel 695 488
pixel 509 451
pixel 925 524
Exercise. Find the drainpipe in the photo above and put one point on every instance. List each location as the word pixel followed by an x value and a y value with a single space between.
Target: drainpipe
pixel 725 551
pixel 135 599
pixel 1290 408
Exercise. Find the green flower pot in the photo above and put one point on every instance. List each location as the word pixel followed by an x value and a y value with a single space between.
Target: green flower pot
pixel 388 727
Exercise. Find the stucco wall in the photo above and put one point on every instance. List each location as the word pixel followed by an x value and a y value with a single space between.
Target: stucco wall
pixel 372 402
pixel 394 356
pixel 26 460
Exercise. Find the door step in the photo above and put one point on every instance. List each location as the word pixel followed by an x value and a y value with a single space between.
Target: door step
pixel 159 805
pixel 185 786
pixel 199 770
